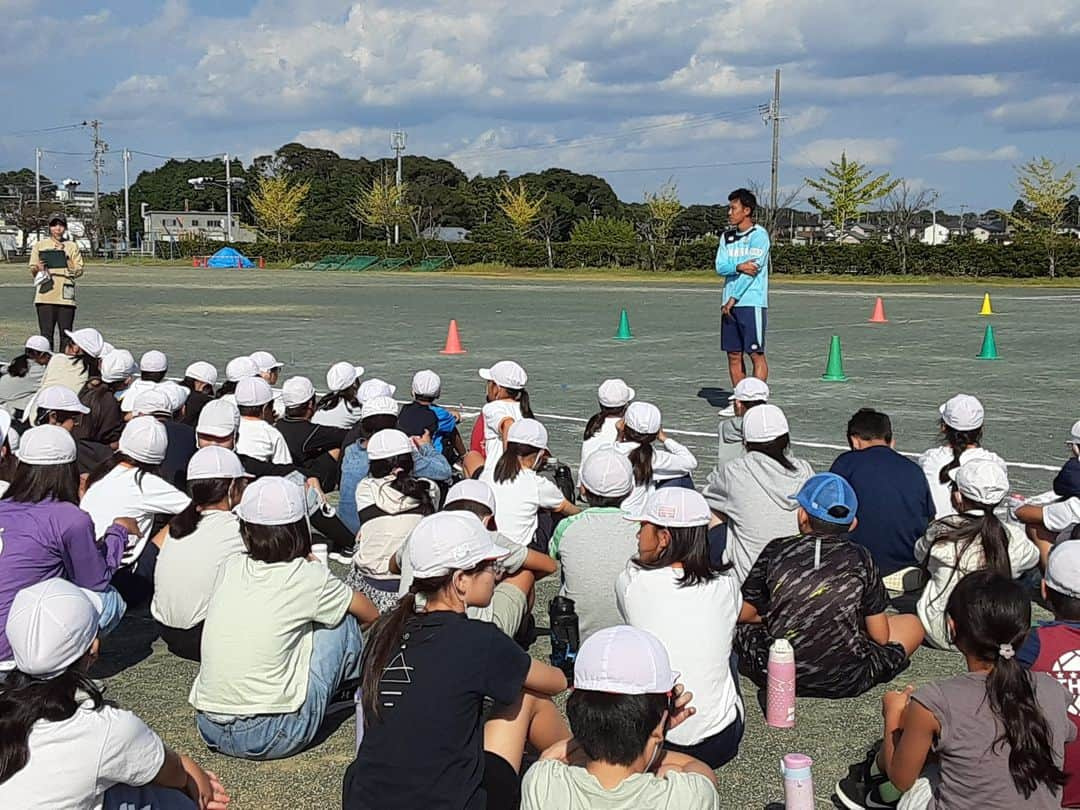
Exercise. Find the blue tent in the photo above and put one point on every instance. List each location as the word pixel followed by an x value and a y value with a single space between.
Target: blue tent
pixel 229 257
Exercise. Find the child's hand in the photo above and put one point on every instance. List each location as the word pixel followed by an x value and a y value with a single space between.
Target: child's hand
pixel 893 704
pixel 683 710
pixel 219 799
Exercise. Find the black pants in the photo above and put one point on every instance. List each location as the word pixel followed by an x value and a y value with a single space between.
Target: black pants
pixel 51 316
pixel 183 643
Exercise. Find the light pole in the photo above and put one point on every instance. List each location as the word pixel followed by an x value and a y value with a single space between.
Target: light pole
pixel 397 143
pixel 199 183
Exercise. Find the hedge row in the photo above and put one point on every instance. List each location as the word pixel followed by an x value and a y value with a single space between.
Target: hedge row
pixel 956 259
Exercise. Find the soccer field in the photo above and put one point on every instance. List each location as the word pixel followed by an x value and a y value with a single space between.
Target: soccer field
pixel 562 332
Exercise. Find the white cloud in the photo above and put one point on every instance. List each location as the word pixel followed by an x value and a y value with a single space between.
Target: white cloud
pixel 970 154
pixel 873 151
pixel 348 142
pixel 1040 112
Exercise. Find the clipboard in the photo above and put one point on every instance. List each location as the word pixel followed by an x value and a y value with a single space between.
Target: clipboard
pixel 53 259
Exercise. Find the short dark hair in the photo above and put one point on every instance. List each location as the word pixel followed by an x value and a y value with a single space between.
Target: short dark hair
pixel 1064 607
pixel 465 505
pixel 746 197
pixel 819 526
pixel 690 546
pixel 253 410
pixel 614 728
pixel 153 376
pixel 868 424
pixel 272 544
pixel 604 502
pixel 297 411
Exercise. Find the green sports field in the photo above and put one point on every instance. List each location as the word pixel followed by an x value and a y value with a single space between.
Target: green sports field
pixel 561 331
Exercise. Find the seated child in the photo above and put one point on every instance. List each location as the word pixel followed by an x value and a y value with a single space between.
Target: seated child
pixel 1049 520
pixel 625 701
pixel 64 745
pixel 823 593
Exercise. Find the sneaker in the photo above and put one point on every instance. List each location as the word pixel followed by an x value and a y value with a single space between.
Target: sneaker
pixel 860 790
pixel 728 411
pixel 344 699
pixel 343 556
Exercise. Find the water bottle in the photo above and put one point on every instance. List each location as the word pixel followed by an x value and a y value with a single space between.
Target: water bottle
pixel 565 639
pixel 358 699
pixel 564 480
pixel 798 782
pixel 780 688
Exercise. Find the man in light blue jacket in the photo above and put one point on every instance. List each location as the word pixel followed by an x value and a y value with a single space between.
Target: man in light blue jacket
pixel 743 260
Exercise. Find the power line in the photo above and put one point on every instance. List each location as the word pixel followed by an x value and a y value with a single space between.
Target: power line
pixel 72 154
pixel 216 156
pixel 44 131
pixel 677 168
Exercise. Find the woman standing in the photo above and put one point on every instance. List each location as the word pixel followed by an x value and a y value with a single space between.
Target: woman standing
pixel 55 297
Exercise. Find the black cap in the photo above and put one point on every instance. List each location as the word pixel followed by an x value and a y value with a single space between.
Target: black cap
pixel 57 216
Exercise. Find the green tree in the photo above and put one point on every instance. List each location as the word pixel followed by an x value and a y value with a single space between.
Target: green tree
pixel 1045 197
pixel 848 187
pixel 382 204
pixel 662 208
pixel 603 230
pixel 277 202
pixel 520 207
pixel 166 188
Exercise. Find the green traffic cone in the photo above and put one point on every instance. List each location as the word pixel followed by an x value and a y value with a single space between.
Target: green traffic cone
pixel 834 369
pixel 989 347
pixel 623 332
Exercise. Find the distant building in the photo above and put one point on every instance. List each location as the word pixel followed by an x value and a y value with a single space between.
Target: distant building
pixel 173 226
pixel 988 232
pixel 936 234
pixel 445 234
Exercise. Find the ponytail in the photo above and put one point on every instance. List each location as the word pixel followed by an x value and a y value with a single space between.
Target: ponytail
pixel 400 469
pixel 986 528
pixel 992 615
pixel 227 387
pixel 521 397
pixel 596 421
pixel 641 457
pixel 509 463
pixel 203 493
pixel 776 449
pixel 959 441
pixel 331 400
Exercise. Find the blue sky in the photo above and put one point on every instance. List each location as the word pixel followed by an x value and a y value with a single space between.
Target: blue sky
pixel 951 96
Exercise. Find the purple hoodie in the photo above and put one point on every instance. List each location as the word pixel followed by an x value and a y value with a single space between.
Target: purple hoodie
pixel 39 541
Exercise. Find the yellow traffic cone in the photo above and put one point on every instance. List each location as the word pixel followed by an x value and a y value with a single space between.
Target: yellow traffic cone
pixel 986 308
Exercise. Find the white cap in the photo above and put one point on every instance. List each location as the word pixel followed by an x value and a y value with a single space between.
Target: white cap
pixel 607 473
pixel 60 398
pixel 642 417
pixel 981 480
pixel 50 626
pixel 89 340
pixel 341 376
pixel 369 389
pixel 426 383
pixel 1075 437
pixel 107 347
pixel 1063 569
pixel 240 368
pixel 528 432
pixel 253 391
pixel 38 343
pixel 451 541
pixel 176 393
pixel 675 507
pixel 750 389
pixel 472 489
pixel 117 365
pixel 144 439
pixel 615 393
pixel 218 418
pixel 272 501
pixel 203 372
pixel 297 391
pixel 624 660
pixel 266 361
pixel 154 361
pixel 152 401
pixel 507 374
pixel 764 423
pixel 47 446
pixel 379 406
pixel 962 412
pixel 215 462
pixel 388 443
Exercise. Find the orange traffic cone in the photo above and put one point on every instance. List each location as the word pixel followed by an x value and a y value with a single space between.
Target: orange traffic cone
pixel 879 312
pixel 453 341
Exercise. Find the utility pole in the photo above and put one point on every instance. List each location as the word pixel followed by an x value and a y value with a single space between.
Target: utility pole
pixel 774 114
pixel 127 203
pixel 397 143
pixel 962 209
pixel 100 148
pixel 228 199
pixel 37 192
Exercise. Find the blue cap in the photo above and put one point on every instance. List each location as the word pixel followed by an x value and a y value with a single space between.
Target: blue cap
pixel 828 497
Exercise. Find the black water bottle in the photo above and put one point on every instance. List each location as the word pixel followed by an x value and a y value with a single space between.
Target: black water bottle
pixel 565 639
pixel 564 480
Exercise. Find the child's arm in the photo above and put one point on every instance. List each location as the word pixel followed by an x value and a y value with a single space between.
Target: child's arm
pixel 910 729
pixel 363 609
pixel 1030 514
pixel 877 627
pixel 674 762
pixel 566 508
pixel 180 772
pixel 545 679
pixel 540 564
pixel 749 614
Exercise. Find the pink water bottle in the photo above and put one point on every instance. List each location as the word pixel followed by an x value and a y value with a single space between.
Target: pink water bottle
pixel 780 689
pixel 798 783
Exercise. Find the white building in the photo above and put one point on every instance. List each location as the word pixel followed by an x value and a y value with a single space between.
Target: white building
pixel 936 234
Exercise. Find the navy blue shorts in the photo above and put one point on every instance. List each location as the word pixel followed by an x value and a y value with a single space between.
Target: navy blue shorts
pixel 744 330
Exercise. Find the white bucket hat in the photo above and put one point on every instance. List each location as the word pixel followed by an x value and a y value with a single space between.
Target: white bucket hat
pixel 215 462
pixel 144 439
pixel 451 541
pixel 272 501
pixel 506 374
pixel 615 393
pixel 388 444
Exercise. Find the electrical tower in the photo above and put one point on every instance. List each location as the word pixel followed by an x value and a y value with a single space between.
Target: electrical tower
pixel 98 161
pixel 397 143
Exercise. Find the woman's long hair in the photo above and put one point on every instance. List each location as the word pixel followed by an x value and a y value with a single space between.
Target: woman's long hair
pixel 331 400
pixel 776 449
pixel 690 546
pixel 641 457
pixel 509 464
pixel 984 528
pixel 992 615
pixel 204 492
pixel 91 365
pixel 19 366
pixel 403 481
pixel 227 387
pixel 33 483
pixel 24 700
pixel 958 441
pixel 521 397
pixel 596 421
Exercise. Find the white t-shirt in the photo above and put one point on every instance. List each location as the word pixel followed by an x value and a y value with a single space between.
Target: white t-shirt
pixel 517 501
pixel 493 414
pixel 553 784
pixel 607 435
pixel 670 460
pixel 696 624
pixel 937 457
pixel 1061 515
pixel 119 495
pixel 74 761
pixel 261 440
pixel 256 642
pixel 188 567
pixel 341 415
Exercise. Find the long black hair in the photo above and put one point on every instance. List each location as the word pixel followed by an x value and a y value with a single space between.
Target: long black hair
pixel 204 492
pixel 641 457
pixel 963 530
pixel 959 441
pixel 272 544
pixel 91 365
pixel 401 468
pixel 24 700
pixel 596 421
pixel 33 483
pixel 19 366
pixel 992 615
pixel 521 397
pixel 776 449
pixel 142 468
pixel 690 546
pixel 227 387
pixel 509 464
pixel 347 395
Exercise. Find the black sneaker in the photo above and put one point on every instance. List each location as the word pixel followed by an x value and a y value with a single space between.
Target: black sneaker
pixel 343 555
pixel 860 790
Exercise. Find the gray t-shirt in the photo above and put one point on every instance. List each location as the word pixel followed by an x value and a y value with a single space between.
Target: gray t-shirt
pixel 550 784
pixel 973 774
pixel 594 547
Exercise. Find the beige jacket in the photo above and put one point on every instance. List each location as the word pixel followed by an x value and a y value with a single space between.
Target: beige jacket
pixel 63 291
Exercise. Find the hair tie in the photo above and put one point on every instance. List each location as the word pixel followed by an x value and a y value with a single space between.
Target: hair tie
pixel 419 602
pixel 1006 651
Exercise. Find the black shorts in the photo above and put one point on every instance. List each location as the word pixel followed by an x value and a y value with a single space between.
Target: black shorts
pixel 744 330
pixel 501 783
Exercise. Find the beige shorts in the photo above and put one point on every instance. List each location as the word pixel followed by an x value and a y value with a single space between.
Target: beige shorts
pixel 508 608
